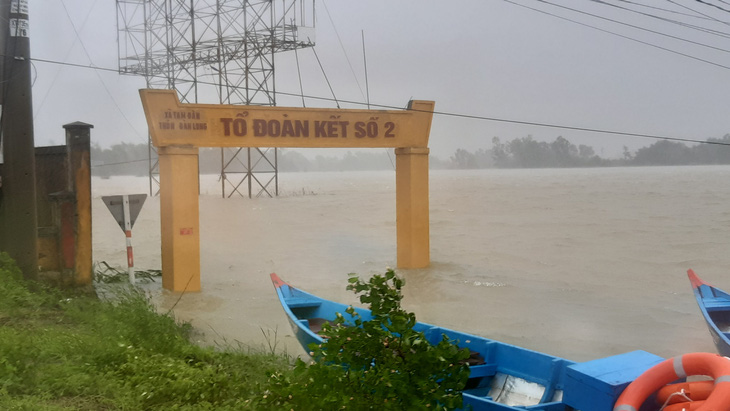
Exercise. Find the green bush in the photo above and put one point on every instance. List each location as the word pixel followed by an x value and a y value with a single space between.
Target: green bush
pixel 18 297
pixel 382 363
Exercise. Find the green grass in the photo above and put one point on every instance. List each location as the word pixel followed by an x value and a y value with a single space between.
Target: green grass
pixel 61 350
pixel 65 351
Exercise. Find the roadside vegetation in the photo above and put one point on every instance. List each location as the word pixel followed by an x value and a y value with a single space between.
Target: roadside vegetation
pixel 61 350
pixel 64 351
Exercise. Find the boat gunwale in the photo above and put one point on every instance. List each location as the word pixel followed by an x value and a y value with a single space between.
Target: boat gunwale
pixel 720 338
pixel 552 381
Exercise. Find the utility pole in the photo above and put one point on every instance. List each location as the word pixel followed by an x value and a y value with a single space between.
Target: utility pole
pixel 18 217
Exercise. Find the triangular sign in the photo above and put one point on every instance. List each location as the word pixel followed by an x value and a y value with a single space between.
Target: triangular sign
pixel 115 204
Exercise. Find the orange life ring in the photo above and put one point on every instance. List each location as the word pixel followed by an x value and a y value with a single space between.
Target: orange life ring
pixel 670 370
pixel 695 391
pixel 685 406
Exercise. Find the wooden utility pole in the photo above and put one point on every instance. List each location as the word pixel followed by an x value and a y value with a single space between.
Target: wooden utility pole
pixel 18 218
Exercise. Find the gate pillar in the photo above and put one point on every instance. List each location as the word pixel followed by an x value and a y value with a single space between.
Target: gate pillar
pixel 411 203
pixel 179 218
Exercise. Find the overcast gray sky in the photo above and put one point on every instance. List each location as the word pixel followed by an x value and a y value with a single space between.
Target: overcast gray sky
pixel 486 58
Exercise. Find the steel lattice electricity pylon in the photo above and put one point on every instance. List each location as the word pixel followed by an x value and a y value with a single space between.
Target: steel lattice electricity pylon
pixel 215 51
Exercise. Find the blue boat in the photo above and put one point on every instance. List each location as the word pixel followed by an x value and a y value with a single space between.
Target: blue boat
pixel 508 378
pixel 715 306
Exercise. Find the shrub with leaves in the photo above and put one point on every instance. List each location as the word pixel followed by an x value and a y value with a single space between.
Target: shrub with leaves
pixel 17 296
pixel 381 363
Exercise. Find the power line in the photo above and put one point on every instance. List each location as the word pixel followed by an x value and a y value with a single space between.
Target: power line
pixel 83 46
pixel 632 25
pixel 665 19
pixel 337 103
pixel 119 163
pixel 698 12
pixel 713 5
pixel 619 35
pixel 86 66
pixel 574 128
pixel 68 53
pixel 458 115
pixel 664 10
pixel 342 46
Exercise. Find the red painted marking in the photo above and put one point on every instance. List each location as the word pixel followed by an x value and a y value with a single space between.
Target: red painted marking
pixel 694 279
pixel 186 231
pixel 278 282
pixel 130 257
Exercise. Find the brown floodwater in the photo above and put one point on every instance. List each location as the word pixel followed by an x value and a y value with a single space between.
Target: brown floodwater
pixel 578 263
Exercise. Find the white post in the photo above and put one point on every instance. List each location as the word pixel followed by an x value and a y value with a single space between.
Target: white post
pixel 128 234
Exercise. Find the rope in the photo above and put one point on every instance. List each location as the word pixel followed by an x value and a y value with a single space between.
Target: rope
pixel 676 394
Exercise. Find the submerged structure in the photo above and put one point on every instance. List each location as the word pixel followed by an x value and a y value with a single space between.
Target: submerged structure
pixel 219 52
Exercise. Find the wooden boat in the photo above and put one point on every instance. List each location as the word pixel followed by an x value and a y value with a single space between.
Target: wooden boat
pixel 715 307
pixel 510 378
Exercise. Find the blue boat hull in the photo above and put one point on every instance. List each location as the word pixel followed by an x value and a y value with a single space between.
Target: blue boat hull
pixel 552 383
pixel 715 307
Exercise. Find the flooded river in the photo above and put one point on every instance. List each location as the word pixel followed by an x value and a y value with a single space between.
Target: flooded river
pixel 578 263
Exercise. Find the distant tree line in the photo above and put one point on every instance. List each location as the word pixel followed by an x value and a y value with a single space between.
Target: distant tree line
pixel 525 152
pixel 665 152
pixel 528 153
pixel 120 159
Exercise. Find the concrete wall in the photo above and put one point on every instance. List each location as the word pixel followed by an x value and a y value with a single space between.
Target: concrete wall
pixel 63 193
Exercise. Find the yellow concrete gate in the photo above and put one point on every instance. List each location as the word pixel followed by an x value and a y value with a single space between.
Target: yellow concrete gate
pixel 179 130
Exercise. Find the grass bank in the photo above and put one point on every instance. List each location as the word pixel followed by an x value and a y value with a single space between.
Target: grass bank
pixel 64 351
